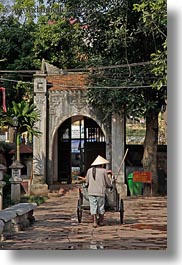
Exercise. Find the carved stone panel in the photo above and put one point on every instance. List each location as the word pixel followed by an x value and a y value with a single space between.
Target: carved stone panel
pixel 40 83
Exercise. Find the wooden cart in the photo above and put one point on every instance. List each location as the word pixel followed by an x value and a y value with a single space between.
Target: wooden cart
pixel 113 202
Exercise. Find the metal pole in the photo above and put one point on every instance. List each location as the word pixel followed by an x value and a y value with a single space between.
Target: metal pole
pixel 15 143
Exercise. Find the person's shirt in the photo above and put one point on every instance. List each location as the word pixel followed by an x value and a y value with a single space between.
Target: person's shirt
pixel 97 186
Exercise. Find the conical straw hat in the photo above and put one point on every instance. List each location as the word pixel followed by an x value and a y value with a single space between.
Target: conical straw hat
pixel 99 161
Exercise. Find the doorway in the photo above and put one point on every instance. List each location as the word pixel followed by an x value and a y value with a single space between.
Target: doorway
pixel 80 141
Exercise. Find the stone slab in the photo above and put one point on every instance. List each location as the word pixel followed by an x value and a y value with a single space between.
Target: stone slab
pixel 1 226
pixel 22 208
pixel 6 215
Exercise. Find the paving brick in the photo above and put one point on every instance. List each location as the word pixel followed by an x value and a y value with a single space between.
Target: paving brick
pixel 57 228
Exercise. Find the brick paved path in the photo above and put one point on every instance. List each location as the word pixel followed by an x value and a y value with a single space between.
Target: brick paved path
pixel 57 227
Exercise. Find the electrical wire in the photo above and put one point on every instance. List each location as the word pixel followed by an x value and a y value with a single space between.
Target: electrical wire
pixel 81 87
pixel 18 71
pixel 16 81
pixel 89 68
pixel 121 75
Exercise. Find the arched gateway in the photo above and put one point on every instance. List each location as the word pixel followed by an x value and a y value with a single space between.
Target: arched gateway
pixel 73 133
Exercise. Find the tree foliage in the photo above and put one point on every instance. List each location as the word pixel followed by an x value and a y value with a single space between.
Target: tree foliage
pixel 27 115
pixel 16 51
pixel 137 89
pixel 153 21
pixel 136 82
pixel 91 34
pixel 57 41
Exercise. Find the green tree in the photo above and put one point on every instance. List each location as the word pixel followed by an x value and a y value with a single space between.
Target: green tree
pixel 27 116
pixel 121 34
pixel 56 40
pixel 16 50
pixel 154 20
pixel 16 47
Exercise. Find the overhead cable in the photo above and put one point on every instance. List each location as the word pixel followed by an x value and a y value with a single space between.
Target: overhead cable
pixel 89 68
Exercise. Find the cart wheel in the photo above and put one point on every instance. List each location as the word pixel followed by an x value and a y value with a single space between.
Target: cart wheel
pixel 79 211
pixel 121 211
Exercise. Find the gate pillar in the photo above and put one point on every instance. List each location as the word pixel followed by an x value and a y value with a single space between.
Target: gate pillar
pixel 118 148
pixel 38 185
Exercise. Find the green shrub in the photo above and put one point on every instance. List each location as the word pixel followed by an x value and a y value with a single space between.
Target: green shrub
pixel 33 199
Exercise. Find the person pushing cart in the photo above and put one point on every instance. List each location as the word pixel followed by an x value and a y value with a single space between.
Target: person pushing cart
pixel 97 181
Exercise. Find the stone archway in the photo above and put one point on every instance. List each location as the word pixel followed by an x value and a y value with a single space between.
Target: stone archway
pixel 60 96
pixel 63 105
pixel 77 142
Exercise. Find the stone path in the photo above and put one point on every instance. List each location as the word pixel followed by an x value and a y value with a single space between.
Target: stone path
pixel 57 227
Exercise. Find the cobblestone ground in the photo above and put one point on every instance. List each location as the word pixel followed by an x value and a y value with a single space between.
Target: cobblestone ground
pixel 57 228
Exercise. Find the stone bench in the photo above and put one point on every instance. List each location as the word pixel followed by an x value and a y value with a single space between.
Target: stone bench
pixel 9 218
pixel 24 212
pixel 16 218
pixel 1 226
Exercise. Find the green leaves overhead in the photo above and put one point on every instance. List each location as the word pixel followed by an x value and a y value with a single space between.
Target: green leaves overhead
pixel 142 37
pixel 153 21
pixel 27 115
pixel 87 34
pixel 56 40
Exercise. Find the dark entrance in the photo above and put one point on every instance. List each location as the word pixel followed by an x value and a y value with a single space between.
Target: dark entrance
pixel 80 141
pixel 64 150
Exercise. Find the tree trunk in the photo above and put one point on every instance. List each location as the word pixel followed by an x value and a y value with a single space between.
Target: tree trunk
pixel 11 135
pixel 150 152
